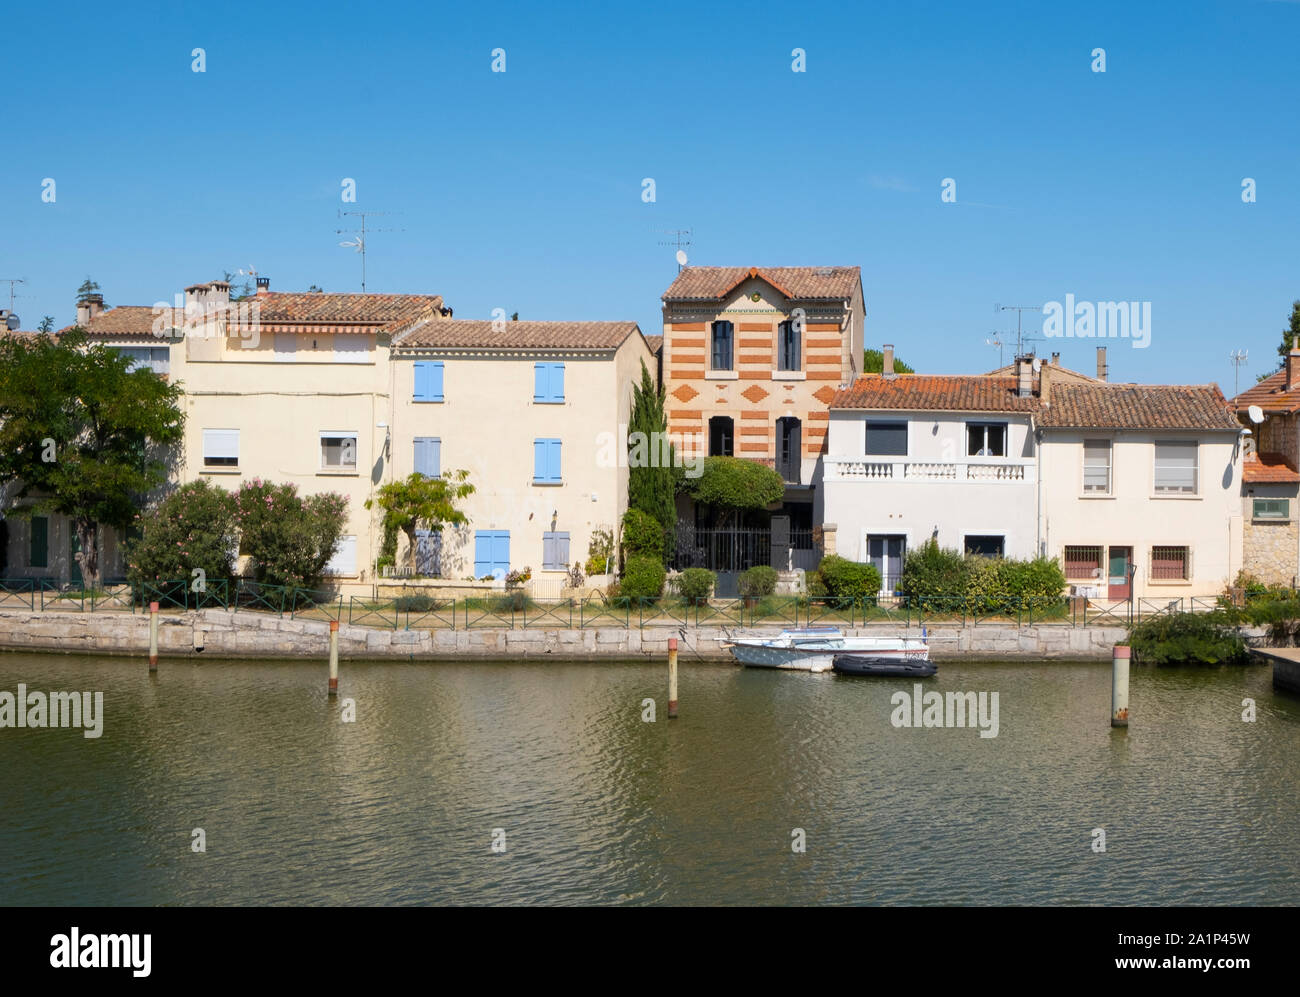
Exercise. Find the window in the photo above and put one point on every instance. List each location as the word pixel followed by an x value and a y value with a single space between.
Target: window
pixel 985 545
pixel 286 347
pixel 548 383
pixel 344 561
pixel 886 439
pixel 1271 508
pixel 986 439
pixel 38 551
pixel 546 462
pixel 154 358
pixel 555 552
pixel 428 381
pixel 1176 466
pixel 428 456
pixel 1170 563
pixel 1083 561
pixel 721 436
pixel 788 461
pixel 722 344
pixel 491 553
pixel 1096 467
pixel 787 347
pixel 221 448
pixel 338 451
pixel 351 347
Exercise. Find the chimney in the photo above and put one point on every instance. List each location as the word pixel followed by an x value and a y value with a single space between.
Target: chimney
pixel 1056 359
pixel 1024 376
pixel 887 364
pixel 263 286
pixel 1293 366
pixel 1045 384
pixel 1101 363
pixel 88 307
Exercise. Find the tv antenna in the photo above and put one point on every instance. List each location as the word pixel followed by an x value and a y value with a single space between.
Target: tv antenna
pixel 681 238
pixel 1238 359
pixel 1021 338
pixel 11 281
pixel 359 243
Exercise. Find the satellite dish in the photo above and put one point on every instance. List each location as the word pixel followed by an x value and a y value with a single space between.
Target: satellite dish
pixel 681 257
pixel 1256 414
pixel 1038 363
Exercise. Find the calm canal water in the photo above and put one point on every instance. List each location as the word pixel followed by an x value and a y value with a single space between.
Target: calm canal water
pixel 599 807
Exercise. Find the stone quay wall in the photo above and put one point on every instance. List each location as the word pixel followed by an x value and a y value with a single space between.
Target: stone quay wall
pixel 242 634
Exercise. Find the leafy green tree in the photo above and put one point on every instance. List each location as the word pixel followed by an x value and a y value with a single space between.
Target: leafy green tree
pixel 196 526
pixel 733 485
pixel 83 435
pixel 421 499
pixel 873 362
pixel 1291 333
pixel 289 539
pixel 650 476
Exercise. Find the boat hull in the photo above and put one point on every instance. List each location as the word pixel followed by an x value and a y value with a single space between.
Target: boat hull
pixel 794 659
pixel 869 664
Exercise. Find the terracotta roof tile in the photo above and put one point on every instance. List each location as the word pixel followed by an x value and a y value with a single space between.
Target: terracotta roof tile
pixel 473 333
pixel 1139 406
pixel 389 312
pixel 1270 394
pixel 799 283
pixel 655 343
pixel 928 392
pixel 1269 468
pixel 124 320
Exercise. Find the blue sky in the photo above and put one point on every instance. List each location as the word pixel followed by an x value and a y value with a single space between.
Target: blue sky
pixel 522 190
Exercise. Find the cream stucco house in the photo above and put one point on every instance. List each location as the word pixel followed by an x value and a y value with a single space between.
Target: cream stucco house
pixel 294 388
pixel 536 412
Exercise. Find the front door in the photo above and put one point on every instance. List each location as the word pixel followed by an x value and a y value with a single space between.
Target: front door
pixel 428 551
pixel 74 548
pixel 491 553
pixel 1119 577
pixel 886 552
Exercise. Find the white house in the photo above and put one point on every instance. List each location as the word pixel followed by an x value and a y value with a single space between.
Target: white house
pixel 914 457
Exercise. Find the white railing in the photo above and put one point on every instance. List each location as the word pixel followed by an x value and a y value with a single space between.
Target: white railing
pixel 978 469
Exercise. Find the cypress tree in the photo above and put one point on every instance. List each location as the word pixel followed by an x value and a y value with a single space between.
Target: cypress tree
pixel 650 480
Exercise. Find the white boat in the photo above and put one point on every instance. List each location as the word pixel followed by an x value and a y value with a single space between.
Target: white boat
pixel 815 649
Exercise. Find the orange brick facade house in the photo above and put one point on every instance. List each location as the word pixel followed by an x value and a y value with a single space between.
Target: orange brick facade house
pixel 751 359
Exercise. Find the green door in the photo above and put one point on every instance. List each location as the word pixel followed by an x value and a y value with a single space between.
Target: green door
pixel 74 566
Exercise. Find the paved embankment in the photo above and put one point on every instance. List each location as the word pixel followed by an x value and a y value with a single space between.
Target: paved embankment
pixel 1286 666
pixel 243 634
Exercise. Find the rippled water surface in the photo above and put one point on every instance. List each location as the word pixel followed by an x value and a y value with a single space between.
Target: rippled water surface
pixel 597 806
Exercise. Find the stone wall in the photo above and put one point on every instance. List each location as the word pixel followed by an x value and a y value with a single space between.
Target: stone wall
pixel 241 634
pixel 1269 549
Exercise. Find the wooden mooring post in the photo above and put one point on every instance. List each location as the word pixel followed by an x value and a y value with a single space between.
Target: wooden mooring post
pixel 153 636
pixel 672 678
pixel 1119 663
pixel 334 657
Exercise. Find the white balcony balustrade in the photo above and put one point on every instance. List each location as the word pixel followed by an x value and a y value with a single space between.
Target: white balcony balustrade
pixel 980 469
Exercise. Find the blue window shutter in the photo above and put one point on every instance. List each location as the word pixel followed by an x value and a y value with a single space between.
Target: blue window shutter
pixel 501 551
pixel 557 382
pixel 420 370
pixel 548 551
pixel 428 456
pixel 539 460
pixel 482 553
pixel 562 550
pixel 435 380
pixel 553 463
pixel 541 383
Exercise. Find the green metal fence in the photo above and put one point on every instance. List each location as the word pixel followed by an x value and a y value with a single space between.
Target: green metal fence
pixel 517 609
